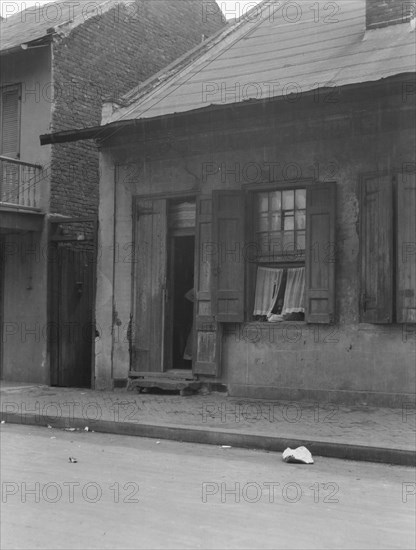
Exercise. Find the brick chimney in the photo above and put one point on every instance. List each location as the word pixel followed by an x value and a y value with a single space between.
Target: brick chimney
pixel 383 13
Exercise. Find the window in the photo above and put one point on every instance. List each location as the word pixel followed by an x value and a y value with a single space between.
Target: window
pixel 9 142
pixel 292 233
pixel 388 249
pixel 279 221
pixel 10 121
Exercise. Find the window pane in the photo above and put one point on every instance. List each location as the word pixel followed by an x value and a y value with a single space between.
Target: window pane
pixel 275 220
pixel 289 222
pixel 263 199
pixel 288 200
pixel 263 222
pixel 300 219
pixel 289 241
pixel 301 198
pixel 276 245
pixel 301 241
pixel 276 200
pixel 263 240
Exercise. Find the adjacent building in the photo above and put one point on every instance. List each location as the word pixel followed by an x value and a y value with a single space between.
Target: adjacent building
pixel 58 63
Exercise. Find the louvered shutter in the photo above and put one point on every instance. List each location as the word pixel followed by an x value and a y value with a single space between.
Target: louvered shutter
pixel 10 142
pixel 10 122
pixel 406 249
pixel 320 253
pixel 377 250
pixel 228 260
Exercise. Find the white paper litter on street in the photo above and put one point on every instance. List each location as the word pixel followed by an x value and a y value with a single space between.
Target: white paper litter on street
pixel 300 455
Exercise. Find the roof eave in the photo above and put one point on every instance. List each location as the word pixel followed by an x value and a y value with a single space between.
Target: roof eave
pixel 42 41
pixel 102 133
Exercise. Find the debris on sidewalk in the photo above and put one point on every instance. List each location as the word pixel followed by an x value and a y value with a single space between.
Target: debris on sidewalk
pixel 299 455
pixel 3 422
pixel 86 429
pixel 70 429
pixel 226 447
pixel 72 460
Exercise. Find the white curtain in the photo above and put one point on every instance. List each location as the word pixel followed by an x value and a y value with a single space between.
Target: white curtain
pixel 267 287
pixel 294 301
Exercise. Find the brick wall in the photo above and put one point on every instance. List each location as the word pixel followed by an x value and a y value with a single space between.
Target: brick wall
pixel 107 56
pixel 382 13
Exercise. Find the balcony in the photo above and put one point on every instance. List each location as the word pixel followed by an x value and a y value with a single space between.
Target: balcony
pixel 19 183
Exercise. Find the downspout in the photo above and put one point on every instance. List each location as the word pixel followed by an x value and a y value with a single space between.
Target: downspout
pixel 114 319
pixel 52 375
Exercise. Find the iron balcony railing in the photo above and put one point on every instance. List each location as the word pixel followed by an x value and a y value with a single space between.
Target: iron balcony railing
pixel 19 182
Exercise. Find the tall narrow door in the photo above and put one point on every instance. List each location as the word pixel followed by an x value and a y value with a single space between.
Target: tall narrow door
pixel 71 331
pixel 148 342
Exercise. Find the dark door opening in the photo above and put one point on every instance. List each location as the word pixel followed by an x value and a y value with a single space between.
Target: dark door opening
pixel 72 310
pixel 71 290
pixel 182 301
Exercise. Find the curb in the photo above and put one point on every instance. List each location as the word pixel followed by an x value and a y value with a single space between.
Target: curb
pixel 211 436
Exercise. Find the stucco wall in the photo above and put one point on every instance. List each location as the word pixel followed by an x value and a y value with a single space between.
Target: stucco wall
pixel 348 361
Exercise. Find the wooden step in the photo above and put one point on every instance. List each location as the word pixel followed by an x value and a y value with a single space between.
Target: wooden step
pixel 164 383
pixel 174 374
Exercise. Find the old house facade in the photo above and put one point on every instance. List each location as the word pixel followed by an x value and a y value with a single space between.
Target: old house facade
pixel 273 173
pixel 58 63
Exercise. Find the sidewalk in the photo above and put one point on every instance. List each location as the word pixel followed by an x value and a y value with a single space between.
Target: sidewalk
pixel 356 433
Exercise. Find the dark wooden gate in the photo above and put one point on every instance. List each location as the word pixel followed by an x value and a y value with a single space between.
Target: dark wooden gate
pixel 72 273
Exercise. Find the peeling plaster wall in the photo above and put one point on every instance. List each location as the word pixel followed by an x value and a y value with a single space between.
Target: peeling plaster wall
pixel 349 361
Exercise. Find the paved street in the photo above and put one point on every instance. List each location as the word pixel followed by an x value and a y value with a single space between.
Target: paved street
pixel 127 492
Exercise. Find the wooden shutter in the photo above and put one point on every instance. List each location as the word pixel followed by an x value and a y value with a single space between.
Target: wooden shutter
pixel 406 249
pixel 320 253
pixel 207 334
pixel 9 142
pixel 376 241
pixel 149 285
pixel 10 122
pixel 228 264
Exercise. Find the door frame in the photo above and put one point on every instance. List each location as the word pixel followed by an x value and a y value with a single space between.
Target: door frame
pixel 168 197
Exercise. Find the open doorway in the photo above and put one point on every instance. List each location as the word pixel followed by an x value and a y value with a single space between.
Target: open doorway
pixel 182 300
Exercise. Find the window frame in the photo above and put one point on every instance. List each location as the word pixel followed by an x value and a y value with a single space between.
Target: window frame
pixel 251 267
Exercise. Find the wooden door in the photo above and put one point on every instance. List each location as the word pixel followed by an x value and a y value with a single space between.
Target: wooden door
pixel 148 340
pixel 71 330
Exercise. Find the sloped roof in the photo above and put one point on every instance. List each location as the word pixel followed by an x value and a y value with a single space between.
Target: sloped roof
pixel 276 51
pixel 37 23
